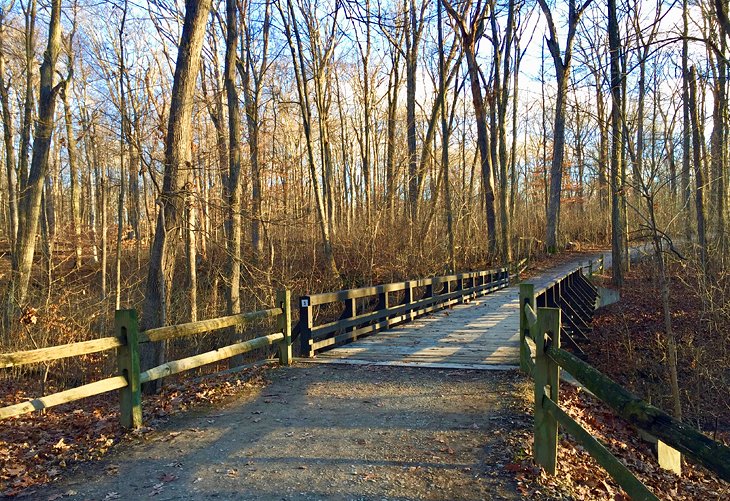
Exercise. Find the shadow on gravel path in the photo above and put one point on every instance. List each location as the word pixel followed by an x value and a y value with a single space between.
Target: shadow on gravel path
pixel 328 432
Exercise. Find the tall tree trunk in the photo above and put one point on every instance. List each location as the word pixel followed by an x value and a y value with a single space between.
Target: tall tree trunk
pixel 252 75
pixel 502 94
pixel 445 143
pixel 123 140
pixel 190 247
pixel 234 188
pixel 74 174
pixel 177 158
pixel 30 198
pixel 10 164
pixel 28 104
pixel 412 36
pixel 617 246
pixel 390 154
pixel 686 187
pixel 291 30
pixel 562 74
pixel 699 176
pixel 470 28
pixel 717 149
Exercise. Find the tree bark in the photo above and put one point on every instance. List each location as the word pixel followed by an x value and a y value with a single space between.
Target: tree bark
pixel 73 168
pixel 699 176
pixel 177 159
pixel 562 74
pixel 686 187
pixel 30 198
pixel 617 245
pixel 469 36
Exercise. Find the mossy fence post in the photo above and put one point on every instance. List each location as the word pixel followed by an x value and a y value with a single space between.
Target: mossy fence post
pixel 527 296
pixel 130 397
pixel 547 378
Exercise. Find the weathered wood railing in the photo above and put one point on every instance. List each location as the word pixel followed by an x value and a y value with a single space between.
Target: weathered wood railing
pixel 575 295
pixel 127 340
pixel 544 326
pixel 438 292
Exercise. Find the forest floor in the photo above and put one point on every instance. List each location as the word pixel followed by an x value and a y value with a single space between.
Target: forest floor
pixel 328 432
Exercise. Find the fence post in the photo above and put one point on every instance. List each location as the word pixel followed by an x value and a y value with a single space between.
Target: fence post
pixel 305 327
pixel 407 300
pixel 283 323
pixel 590 268
pixel 130 397
pixel 547 375
pixel 383 304
pixel 527 296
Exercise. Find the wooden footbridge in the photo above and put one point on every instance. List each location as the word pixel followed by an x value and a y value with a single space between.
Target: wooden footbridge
pixel 476 321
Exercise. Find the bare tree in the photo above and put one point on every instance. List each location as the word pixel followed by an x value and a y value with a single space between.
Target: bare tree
pixel 617 247
pixel 177 159
pixel 30 197
pixel 469 24
pixel 561 60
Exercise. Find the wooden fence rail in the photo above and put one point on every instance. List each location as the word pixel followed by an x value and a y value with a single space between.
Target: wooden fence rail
pixel 438 293
pixel 577 298
pixel 544 326
pixel 127 341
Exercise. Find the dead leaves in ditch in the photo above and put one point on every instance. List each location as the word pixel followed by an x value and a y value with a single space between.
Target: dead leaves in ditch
pixel 36 448
pixel 580 477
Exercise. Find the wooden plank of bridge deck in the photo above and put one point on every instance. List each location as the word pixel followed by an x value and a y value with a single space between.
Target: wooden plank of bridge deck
pixel 483 333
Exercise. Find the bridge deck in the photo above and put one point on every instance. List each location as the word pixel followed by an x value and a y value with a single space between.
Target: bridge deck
pixel 483 334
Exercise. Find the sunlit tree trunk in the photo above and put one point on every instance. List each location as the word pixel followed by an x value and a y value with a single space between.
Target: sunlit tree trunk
pixel 617 246
pixel 30 197
pixel 8 141
pixel 177 160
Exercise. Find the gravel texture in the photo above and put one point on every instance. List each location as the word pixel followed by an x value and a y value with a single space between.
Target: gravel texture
pixel 326 432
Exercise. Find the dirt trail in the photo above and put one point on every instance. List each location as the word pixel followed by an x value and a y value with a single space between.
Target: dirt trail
pixel 326 432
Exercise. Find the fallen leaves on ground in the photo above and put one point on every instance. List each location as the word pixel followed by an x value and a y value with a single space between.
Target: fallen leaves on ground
pixel 35 448
pixel 625 347
pixel 580 477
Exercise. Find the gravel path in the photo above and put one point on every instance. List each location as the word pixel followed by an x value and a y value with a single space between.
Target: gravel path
pixel 328 432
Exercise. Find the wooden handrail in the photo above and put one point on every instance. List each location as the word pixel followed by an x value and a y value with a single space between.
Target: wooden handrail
pixel 192 328
pixel 333 297
pixel 397 310
pixel 186 364
pixel 127 342
pixel 628 481
pixel 351 325
pixel 64 397
pixel 58 352
pixel 543 326
pixel 713 455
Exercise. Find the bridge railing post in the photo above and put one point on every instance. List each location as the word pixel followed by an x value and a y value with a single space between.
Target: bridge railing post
pixel 527 296
pixel 408 300
pixel 283 323
pixel 306 324
pixel 547 379
pixel 130 397
pixel 383 303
